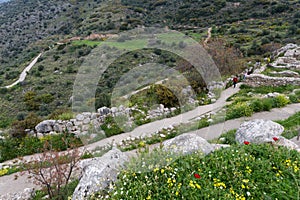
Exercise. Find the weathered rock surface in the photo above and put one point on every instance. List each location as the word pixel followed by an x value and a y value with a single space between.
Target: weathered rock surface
pixel 187 144
pixel 45 126
pixel 27 194
pixel 258 131
pixel 99 173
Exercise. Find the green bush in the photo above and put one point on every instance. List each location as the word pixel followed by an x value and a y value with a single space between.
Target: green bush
pixel 257 105
pixel 267 104
pixel 11 148
pixel 293 98
pixel 280 101
pixel 238 110
pixel 239 172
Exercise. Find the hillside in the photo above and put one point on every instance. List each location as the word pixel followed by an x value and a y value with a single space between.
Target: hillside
pixel 248 30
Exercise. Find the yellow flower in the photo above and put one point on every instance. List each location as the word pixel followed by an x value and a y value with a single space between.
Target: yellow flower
pixel 148 197
pixel 191 184
pixel 198 186
pixel 177 193
pixel 245 180
pixel 162 171
pixel 3 172
pixel 231 191
pixel 156 169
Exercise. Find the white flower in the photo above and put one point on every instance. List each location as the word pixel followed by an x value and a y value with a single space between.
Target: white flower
pixel 248 194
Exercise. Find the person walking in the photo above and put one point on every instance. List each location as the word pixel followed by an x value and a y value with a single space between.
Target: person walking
pixel 235 80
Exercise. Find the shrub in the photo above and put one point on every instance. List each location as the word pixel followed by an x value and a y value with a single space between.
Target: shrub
pixel 267 104
pixel 280 101
pixel 238 110
pixel 52 171
pixel 257 105
pixel 293 98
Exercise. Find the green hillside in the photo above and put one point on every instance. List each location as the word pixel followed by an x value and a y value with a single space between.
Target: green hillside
pixel 245 30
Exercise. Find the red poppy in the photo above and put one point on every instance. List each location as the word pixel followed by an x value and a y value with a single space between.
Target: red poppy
pixel 246 142
pixel 275 138
pixel 197 175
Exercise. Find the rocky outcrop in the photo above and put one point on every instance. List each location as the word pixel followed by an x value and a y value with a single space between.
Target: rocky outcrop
pixel 99 173
pixel 258 131
pixel 263 131
pixel 286 60
pixel 187 144
pixel 27 194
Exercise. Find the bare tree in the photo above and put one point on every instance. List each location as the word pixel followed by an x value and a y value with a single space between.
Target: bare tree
pixel 52 170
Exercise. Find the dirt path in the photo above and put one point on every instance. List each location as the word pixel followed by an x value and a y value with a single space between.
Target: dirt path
pixel 208 133
pixel 208 37
pixel 24 72
pixel 211 132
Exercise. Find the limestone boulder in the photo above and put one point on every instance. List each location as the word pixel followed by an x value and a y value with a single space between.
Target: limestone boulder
pixel 45 126
pixel 258 131
pixel 99 173
pixel 186 144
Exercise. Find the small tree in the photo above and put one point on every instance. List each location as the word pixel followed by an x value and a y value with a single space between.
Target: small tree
pixel 52 170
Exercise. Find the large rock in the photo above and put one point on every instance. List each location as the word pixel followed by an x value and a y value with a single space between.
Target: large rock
pixel 258 131
pixel 99 173
pixel 27 194
pixel 186 144
pixel 45 126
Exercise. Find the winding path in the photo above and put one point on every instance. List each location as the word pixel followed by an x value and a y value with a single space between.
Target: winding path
pixel 208 37
pixel 24 72
pixel 211 132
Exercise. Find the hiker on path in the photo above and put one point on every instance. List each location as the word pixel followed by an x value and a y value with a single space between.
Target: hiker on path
pixel 235 80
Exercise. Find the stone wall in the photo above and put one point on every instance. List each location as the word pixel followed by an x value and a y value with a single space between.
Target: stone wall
pixel 255 80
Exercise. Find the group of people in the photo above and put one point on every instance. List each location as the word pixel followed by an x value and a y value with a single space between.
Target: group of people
pixel 235 79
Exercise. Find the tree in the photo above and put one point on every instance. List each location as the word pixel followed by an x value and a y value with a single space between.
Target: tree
pixel 227 58
pixel 53 170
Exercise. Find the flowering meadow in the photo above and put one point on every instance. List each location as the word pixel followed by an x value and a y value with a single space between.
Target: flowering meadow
pixel 246 171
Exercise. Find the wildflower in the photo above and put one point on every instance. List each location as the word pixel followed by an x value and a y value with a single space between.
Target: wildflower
pixel 162 171
pixel 197 175
pixel 148 197
pixel 156 169
pixel 191 184
pixel 177 193
pixel 246 142
pixel 198 186
pixel 275 138
pixel 245 180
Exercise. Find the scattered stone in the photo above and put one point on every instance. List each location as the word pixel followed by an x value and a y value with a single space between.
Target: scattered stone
pixel 79 117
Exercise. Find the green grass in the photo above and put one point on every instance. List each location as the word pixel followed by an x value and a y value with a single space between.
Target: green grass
pixel 128 44
pixel 86 42
pixel 11 148
pixel 66 194
pixel 238 172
